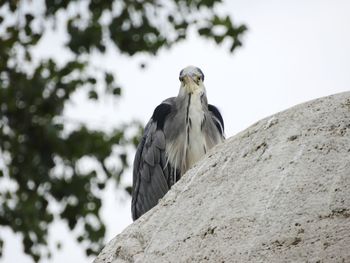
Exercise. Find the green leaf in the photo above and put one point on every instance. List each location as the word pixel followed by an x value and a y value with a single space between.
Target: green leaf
pixel 117 91
pixel 93 95
pixel 109 78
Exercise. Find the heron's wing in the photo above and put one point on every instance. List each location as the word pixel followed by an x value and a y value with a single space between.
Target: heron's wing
pixel 217 118
pixel 151 178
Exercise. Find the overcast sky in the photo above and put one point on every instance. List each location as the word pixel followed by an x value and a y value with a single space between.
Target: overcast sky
pixel 294 51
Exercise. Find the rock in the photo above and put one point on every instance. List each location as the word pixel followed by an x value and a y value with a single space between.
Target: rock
pixel 277 192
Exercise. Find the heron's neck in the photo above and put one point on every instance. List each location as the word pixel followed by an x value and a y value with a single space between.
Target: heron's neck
pixel 195 145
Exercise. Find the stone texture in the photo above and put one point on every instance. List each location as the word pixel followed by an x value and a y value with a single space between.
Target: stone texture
pixel 277 192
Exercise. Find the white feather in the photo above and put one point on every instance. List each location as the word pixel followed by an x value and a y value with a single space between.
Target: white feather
pixel 195 149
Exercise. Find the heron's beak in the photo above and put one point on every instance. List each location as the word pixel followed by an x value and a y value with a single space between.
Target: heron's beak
pixel 189 83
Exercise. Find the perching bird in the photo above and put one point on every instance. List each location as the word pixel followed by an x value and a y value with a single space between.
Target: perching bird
pixel 181 130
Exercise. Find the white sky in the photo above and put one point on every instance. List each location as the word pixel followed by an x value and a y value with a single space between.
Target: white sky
pixel 294 51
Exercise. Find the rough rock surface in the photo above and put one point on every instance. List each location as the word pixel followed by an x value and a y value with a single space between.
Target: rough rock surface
pixel 277 192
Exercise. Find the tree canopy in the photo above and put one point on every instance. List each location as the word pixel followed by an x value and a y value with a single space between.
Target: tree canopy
pixel 40 176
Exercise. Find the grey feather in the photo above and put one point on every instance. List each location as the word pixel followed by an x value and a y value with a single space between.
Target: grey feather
pixel 159 140
pixel 145 173
pixel 149 155
pixel 151 171
pixel 159 180
pixel 156 153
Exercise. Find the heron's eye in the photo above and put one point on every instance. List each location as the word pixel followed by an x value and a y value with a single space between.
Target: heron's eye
pixel 181 78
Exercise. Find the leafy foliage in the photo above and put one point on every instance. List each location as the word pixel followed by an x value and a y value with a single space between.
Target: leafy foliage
pixel 40 161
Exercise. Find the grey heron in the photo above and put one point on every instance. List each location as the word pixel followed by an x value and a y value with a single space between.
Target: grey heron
pixel 181 130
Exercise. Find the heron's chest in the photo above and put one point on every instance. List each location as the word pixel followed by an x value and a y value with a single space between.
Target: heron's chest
pixel 186 142
pixel 194 117
pixel 196 144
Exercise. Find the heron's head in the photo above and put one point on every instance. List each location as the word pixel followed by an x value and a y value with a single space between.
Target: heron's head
pixel 191 79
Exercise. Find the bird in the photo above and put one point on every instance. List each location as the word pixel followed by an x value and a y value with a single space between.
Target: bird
pixel 181 131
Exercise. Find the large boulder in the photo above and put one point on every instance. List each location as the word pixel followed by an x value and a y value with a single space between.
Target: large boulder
pixel 277 192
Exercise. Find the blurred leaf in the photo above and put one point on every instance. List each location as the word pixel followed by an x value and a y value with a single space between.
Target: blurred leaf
pixel 93 95
pixel 117 91
pixel 109 78
pixel 128 189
